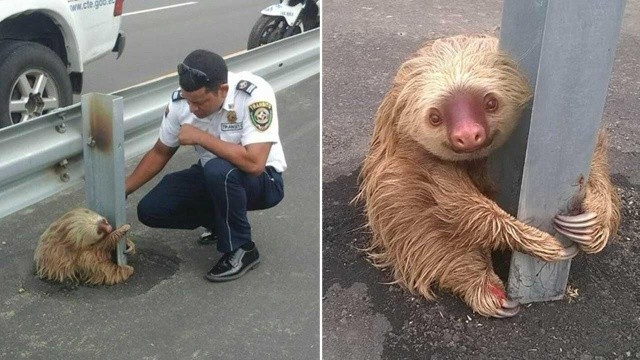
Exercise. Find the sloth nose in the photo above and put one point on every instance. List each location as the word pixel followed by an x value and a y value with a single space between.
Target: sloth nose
pixel 467 137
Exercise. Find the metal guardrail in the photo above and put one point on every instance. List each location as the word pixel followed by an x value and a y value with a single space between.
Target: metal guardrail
pixel 42 157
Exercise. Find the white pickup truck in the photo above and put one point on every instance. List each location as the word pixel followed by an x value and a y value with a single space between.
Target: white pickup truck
pixel 44 45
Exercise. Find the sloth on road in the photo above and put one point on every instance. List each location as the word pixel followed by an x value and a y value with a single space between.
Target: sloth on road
pixel 77 247
pixel 425 184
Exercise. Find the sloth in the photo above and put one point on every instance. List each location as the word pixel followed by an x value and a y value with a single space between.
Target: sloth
pixel 426 188
pixel 78 247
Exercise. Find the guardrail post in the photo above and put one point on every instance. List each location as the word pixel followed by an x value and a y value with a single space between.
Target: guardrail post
pixel 567 48
pixel 103 151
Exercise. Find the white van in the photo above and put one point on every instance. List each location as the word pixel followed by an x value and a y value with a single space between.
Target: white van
pixel 44 45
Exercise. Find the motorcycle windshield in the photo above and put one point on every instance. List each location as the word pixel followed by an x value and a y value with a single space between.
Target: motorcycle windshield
pixel 290 13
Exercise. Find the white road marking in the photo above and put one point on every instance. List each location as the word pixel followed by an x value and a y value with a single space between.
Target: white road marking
pixel 160 8
pixel 168 75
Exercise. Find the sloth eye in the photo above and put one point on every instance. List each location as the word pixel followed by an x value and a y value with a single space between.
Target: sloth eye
pixel 435 119
pixel 490 103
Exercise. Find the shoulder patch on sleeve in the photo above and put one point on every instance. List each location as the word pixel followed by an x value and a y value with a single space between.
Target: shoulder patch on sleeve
pixel 261 114
pixel 246 86
pixel 177 95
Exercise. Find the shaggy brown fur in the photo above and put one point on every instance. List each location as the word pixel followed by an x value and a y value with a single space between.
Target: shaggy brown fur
pixel 602 199
pixel 428 207
pixel 77 247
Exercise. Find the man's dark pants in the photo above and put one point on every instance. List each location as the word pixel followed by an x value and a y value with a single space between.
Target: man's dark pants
pixel 216 195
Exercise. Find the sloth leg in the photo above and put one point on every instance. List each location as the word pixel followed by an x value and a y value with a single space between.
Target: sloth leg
pixel 109 273
pixel 601 205
pixel 471 277
pixel 116 274
pixel 131 247
pixel 98 271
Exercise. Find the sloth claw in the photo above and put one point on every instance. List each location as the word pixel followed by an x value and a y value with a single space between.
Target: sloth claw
pixel 509 304
pixel 587 231
pixel 577 218
pixel 578 228
pixel 569 252
pixel 506 312
pixel 575 225
pixel 508 308
pixel 575 237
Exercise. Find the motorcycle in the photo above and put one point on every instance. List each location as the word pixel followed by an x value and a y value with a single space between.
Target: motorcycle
pixel 288 18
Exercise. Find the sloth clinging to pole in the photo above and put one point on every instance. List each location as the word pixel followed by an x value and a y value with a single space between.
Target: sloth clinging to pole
pixel 77 247
pixel 425 184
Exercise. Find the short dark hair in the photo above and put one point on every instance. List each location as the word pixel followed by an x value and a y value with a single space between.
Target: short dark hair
pixel 211 64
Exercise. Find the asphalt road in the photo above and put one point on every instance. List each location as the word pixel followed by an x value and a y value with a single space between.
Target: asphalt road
pixel 364 317
pixel 158 40
pixel 167 310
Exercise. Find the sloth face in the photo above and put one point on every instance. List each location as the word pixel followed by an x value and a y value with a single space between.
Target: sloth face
pixel 461 98
pixel 103 228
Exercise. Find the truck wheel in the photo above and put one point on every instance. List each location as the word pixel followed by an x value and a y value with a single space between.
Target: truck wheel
pixel 33 82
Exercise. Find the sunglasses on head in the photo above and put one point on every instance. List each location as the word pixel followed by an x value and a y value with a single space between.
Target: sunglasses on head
pixel 197 76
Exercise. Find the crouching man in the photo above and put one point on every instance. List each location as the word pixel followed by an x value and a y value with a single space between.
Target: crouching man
pixel 231 120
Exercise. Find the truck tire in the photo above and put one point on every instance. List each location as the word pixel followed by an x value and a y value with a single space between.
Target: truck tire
pixel 33 82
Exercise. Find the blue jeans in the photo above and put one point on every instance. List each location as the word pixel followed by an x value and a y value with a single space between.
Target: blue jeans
pixel 217 196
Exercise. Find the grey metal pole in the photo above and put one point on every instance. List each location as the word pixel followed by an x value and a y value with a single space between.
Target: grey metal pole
pixel 567 49
pixel 103 151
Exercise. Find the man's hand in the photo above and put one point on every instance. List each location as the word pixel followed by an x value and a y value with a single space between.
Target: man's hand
pixel 191 135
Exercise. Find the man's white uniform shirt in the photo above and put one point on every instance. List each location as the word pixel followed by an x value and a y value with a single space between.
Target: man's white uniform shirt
pixel 248 115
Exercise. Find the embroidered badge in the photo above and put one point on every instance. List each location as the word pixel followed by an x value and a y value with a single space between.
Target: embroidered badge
pixel 232 116
pixel 246 86
pixel 261 115
pixel 177 95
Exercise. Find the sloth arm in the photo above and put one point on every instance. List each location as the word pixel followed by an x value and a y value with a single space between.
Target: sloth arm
pixel 408 200
pixel 601 199
pixel 111 241
pixel 474 220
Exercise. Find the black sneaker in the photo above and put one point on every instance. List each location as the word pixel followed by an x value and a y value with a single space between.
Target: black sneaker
pixel 208 238
pixel 234 264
